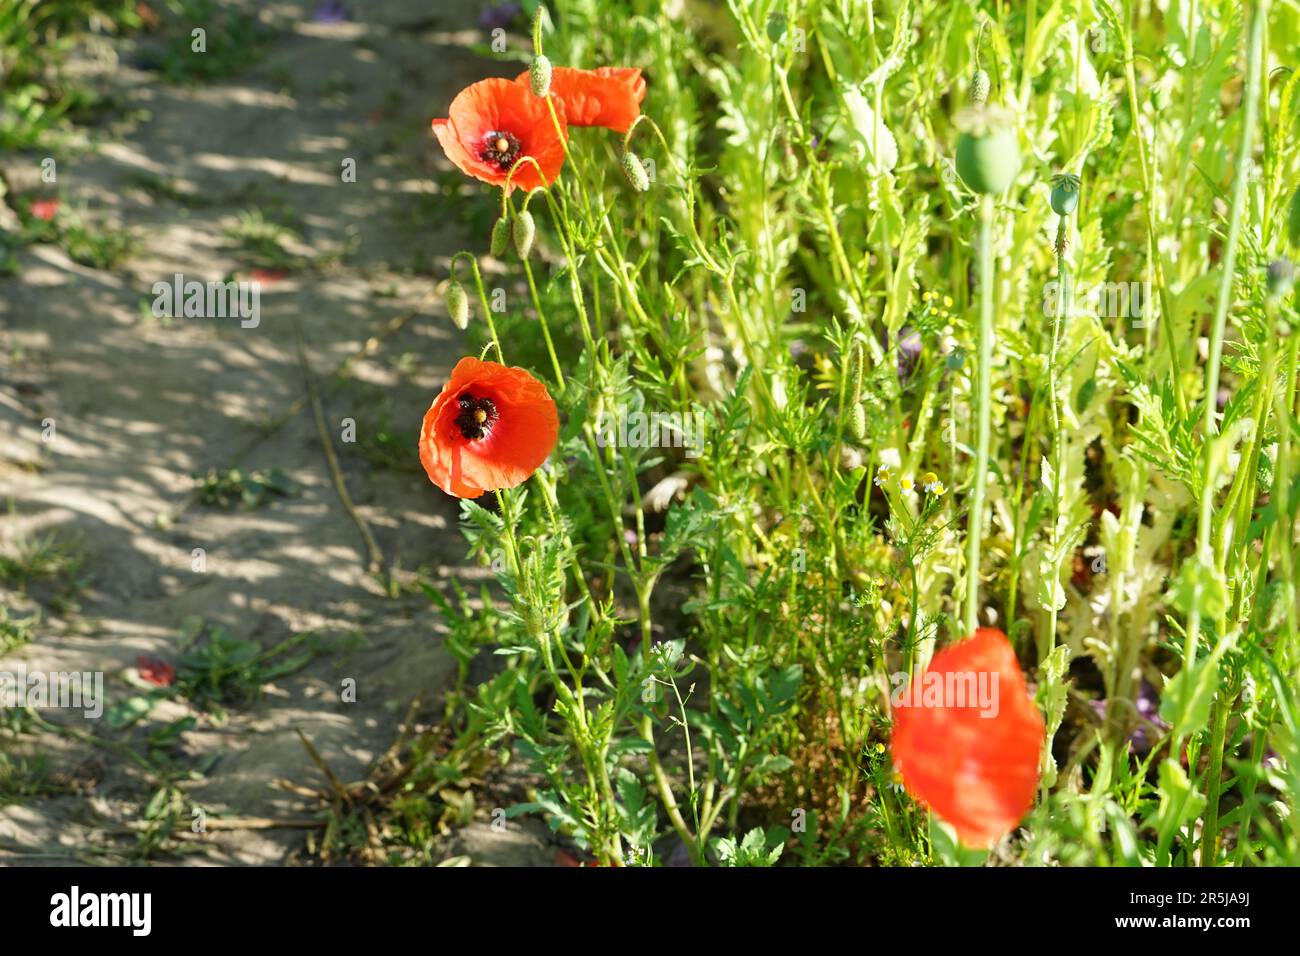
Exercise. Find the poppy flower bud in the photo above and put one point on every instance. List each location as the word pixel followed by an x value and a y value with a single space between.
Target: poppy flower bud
pixel 988 155
pixel 500 237
pixel 979 88
pixel 457 304
pixel 1065 194
pixel 539 75
pixel 524 232
pixel 776 27
pixel 858 422
pixel 1281 278
pixel 635 172
pixel 533 623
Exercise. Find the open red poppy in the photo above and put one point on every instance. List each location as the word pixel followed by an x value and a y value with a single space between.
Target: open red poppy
pixel 974 762
pixel 490 428
pixel 608 96
pixel 492 124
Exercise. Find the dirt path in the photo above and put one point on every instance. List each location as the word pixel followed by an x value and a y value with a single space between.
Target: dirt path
pixel 142 404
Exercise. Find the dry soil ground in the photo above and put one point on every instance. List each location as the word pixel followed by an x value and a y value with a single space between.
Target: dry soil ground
pixel 141 405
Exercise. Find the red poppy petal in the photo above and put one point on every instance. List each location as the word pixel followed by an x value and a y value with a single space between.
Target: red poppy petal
pixel 525 433
pixel 979 773
pixel 608 96
pixel 497 105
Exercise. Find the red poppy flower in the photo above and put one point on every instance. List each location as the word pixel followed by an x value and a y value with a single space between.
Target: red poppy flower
pixel 155 671
pixel 491 124
pixel 609 96
pixel 490 428
pixel 972 754
pixel 44 209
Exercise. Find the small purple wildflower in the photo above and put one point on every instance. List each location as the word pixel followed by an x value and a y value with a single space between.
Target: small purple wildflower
pixel 909 352
pixel 331 11
pixel 498 17
pixel 1149 720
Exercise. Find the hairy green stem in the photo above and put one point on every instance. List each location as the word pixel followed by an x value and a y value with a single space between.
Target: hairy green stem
pixel 1250 99
pixel 975 513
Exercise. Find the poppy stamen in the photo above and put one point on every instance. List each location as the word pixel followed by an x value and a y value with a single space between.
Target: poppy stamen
pixel 477 416
pixel 501 148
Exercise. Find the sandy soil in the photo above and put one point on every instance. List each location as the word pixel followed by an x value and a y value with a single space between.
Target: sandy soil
pixel 141 405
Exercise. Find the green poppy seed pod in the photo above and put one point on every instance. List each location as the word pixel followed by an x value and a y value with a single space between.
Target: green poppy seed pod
pixel 1281 278
pixel 539 74
pixel 635 172
pixel 858 422
pixel 500 237
pixel 1065 194
pixel 1293 220
pixel 988 155
pixel 523 233
pixel 457 304
pixel 979 88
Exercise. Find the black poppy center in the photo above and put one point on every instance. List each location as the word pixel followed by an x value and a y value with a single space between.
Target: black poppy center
pixel 501 148
pixel 476 417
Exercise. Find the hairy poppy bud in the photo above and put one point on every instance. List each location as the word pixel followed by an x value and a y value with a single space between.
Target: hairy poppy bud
pixel 979 88
pixel 524 232
pixel 1065 194
pixel 776 27
pixel 457 304
pixel 635 172
pixel 533 622
pixel 539 75
pixel 1281 278
pixel 858 422
pixel 988 155
pixel 500 236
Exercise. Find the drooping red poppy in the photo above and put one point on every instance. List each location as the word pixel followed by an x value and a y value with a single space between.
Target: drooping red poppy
pixel 492 124
pixel 973 761
pixel 490 428
pixel 608 96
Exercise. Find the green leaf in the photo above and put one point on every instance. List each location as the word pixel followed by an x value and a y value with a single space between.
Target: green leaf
pixel 127 712
pixel 1187 698
pixel 1179 803
pixel 1199 587
pixel 871 131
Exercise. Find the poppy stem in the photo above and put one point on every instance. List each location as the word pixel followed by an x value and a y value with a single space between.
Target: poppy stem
pixel 1250 100
pixel 975 513
pixel 659 134
pixel 482 298
pixel 537 28
pixel 546 329
pixel 1063 305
